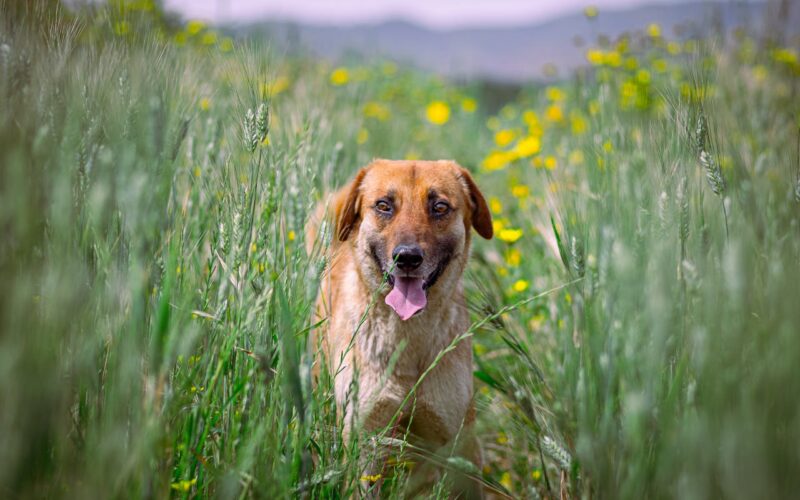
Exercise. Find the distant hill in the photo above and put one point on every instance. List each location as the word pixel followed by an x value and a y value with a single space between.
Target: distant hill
pixel 511 54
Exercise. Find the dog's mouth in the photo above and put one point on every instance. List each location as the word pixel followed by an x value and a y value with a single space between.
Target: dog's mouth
pixel 409 292
pixel 408 296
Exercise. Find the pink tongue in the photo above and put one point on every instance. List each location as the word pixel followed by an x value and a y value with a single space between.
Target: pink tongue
pixel 407 296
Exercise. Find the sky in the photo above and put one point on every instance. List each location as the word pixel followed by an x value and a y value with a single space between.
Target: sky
pixel 441 14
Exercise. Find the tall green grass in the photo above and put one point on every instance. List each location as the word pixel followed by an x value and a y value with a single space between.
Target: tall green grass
pixel 157 297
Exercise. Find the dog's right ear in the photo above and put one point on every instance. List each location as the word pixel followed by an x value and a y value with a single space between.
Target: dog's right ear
pixel 347 206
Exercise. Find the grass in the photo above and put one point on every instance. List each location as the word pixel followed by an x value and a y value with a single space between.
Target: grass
pixel 635 322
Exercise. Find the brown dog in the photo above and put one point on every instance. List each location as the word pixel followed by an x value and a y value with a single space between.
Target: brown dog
pixel 401 241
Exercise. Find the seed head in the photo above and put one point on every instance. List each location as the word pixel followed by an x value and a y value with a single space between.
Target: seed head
pixel 250 131
pixel 262 121
pixel 713 172
pixel 556 452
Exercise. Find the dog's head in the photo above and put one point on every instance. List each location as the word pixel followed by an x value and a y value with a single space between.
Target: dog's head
pixel 411 221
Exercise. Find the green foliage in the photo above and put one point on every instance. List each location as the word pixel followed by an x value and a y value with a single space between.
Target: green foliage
pixel 635 321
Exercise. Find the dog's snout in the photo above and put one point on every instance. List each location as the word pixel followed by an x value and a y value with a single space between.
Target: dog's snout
pixel 408 257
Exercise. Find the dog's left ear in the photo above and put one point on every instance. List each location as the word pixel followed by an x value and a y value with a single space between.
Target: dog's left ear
pixel 481 217
pixel 347 206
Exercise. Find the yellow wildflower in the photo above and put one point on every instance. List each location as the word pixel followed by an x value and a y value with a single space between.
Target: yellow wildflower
pixel 623 44
pixel 520 286
pixel 787 56
pixel 760 73
pixel 536 475
pixel 205 103
pixel 505 480
pixel 497 160
pixel 590 12
pixel 209 38
pixel 371 478
pixel 528 146
pixel 291 235
pixel 530 118
pixel 555 94
pixel 184 485
pixel 578 124
pixel 613 59
pixel 493 123
pixel 654 30
pixel 674 48
pixel 513 257
pixel 509 235
pixel 643 76
pixel 194 27
pixel 504 137
pixel 608 146
pixel 554 113
pixel 438 112
pixel 595 56
pixel 628 91
pixel 226 45
pixel 180 38
pixel 362 136
pixel 495 205
pixel 122 28
pixel 502 438
pixel 520 191
pixel 469 105
pixel 340 76
pixel 498 224
pixel 550 162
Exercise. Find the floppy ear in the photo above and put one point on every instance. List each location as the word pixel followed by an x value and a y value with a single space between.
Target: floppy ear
pixel 347 206
pixel 481 217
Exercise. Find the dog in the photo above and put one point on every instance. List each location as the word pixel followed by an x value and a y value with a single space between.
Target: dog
pixel 393 300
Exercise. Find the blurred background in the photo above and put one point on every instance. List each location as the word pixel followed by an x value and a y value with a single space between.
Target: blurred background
pixel 504 41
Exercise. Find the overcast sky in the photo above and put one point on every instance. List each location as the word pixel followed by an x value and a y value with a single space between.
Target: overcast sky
pixel 432 13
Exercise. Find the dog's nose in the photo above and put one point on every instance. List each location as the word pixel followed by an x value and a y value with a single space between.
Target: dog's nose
pixel 408 257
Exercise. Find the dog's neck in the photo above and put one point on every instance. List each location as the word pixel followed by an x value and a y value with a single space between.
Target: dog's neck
pixel 422 337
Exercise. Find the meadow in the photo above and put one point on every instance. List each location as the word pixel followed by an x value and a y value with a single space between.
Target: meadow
pixel 636 319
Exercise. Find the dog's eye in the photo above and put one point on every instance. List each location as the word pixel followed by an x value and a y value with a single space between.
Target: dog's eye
pixel 383 207
pixel 441 208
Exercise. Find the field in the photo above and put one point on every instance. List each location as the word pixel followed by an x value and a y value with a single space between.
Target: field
pixel 636 319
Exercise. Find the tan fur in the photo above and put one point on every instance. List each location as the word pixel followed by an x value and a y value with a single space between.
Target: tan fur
pixel 351 293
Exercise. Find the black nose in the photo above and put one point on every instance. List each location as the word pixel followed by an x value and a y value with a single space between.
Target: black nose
pixel 408 257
